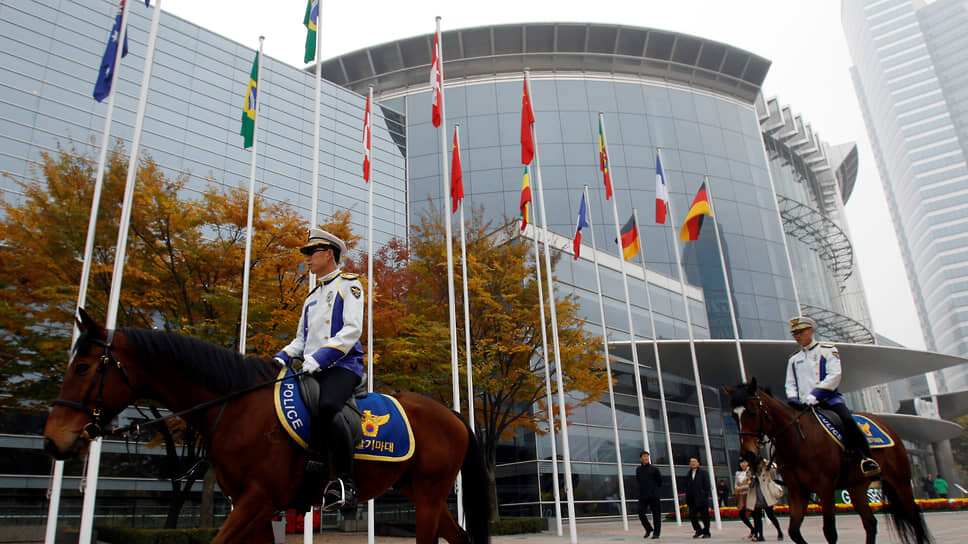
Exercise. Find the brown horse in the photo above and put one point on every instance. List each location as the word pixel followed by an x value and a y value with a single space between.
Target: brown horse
pixel 258 466
pixel 810 461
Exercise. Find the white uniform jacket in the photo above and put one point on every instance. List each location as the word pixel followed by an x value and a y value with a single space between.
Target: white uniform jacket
pixel 814 369
pixel 330 324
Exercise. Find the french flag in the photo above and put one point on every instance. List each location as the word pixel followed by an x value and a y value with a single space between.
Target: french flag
pixel 661 192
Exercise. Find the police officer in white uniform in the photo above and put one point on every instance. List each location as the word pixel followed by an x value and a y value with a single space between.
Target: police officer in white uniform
pixel 328 341
pixel 813 376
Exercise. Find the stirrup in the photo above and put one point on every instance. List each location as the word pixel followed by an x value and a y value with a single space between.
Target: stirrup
pixel 869 467
pixel 338 496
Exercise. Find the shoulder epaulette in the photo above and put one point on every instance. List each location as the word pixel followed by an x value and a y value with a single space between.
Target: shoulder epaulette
pixel 792 354
pixel 349 276
pixel 827 345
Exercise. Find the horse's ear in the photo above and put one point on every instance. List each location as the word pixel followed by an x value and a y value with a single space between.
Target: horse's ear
pixel 85 322
pixel 751 387
pixel 728 390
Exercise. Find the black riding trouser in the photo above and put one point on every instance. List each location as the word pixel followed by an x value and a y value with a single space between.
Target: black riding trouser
pixel 336 385
pixel 854 438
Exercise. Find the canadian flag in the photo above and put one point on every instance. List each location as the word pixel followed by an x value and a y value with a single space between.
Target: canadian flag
pixel 437 82
pixel 366 139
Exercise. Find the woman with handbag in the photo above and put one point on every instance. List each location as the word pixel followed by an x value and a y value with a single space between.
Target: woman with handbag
pixel 767 493
pixel 743 479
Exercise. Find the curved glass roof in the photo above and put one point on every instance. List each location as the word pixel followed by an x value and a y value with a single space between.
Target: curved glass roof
pixel 487 51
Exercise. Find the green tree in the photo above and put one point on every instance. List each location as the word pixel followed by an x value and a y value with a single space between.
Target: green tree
pixel 509 379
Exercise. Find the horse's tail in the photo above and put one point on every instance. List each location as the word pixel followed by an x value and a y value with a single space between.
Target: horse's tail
pixel 907 518
pixel 477 504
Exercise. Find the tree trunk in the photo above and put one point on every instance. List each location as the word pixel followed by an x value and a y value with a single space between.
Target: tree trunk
pixel 490 463
pixel 206 513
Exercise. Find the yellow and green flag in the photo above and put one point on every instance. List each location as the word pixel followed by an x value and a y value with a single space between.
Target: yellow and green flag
pixel 310 21
pixel 248 109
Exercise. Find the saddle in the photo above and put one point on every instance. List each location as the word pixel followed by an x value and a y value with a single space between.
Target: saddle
pixel 831 422
pixel 349 418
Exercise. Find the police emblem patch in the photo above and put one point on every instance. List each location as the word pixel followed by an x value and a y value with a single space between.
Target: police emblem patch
pixel 356 291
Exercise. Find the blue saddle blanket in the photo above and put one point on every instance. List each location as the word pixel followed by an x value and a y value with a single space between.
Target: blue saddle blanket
pixel 387 435
pixel 876 436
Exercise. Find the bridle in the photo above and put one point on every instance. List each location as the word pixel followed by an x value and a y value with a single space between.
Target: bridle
pixel 93 429
pixel 762 437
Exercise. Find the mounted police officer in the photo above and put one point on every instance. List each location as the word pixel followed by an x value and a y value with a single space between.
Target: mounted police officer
pixel 812 377
pixel 328 341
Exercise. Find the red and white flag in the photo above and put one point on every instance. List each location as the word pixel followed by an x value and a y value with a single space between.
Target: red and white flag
pixel 366 140
pixel 437 82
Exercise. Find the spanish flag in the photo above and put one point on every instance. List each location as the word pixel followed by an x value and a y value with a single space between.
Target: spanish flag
pixel 603 159
pixel 525 199
pixel 630 239
pixel 692 224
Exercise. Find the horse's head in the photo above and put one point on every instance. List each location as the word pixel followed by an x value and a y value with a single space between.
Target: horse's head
pixel 96 388
pixel 752 418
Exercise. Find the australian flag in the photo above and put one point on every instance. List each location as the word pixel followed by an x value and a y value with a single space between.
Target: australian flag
pixel 102 87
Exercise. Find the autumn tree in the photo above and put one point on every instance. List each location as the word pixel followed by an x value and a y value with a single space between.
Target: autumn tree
pixel 183 269
pixel 413 334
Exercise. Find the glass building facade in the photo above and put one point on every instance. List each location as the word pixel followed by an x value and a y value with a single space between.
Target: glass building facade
pixel 909 65
pixel 778 194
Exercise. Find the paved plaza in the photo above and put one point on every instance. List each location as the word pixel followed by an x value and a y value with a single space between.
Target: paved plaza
pixel 945 527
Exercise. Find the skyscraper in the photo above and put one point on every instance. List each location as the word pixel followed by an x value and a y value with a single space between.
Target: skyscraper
pixel 910 72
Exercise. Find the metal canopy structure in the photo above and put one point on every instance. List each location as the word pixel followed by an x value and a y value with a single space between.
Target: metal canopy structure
pixel 580 48
pixel 836 326
pixel 820 234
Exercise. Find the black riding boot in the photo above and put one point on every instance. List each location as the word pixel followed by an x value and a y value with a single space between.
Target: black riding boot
pixel 340 494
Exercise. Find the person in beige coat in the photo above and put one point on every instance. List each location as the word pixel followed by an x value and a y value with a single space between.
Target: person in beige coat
pixel 763 496
pixel 743 479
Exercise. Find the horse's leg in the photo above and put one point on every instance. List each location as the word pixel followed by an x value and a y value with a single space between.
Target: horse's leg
pixel 798 509
pixel 829 509
pixel 449 530
pixel 248 522
pixel 858 497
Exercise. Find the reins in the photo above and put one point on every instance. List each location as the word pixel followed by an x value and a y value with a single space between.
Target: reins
pixel 93 428
pixel 207 404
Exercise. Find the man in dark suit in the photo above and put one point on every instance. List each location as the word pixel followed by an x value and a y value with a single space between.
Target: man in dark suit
pixel 649 480
pixel 697 498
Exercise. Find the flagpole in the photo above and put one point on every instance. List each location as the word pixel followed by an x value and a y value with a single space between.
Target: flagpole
pixel 658 370
pixel 628 306
pixel 452 313
pixel 370 504
pixel 243 326
pixel 94 456
pixel 58 473
pixel 572 527
pixel 729 293
pixel 467 305
pixel 695 370
pixel 548 394
pixel 314 204
pixel 608 365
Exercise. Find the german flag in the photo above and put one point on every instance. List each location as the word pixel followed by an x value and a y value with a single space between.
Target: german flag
pixel 692 224
pixel 630 239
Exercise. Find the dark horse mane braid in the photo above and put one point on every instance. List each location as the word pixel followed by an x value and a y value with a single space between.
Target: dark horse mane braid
pixel 215 367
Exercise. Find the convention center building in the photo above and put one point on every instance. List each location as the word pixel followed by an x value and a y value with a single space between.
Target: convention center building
pixel 777 189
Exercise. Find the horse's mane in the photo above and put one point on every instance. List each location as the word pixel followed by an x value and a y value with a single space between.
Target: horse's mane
pixel 216 368
pixel 741 394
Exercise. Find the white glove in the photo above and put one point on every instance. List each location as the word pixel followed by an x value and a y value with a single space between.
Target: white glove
pixel 809 400
pixel 310 365
pixel 280 362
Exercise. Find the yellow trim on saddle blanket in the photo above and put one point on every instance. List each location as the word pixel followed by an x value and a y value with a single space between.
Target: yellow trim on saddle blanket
pixel 291 416
pixel 371 439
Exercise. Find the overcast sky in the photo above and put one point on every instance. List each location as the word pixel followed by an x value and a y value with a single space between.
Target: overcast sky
pixel 802 38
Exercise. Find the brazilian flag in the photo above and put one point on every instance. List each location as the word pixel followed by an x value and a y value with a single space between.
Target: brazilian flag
pixel 248 109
